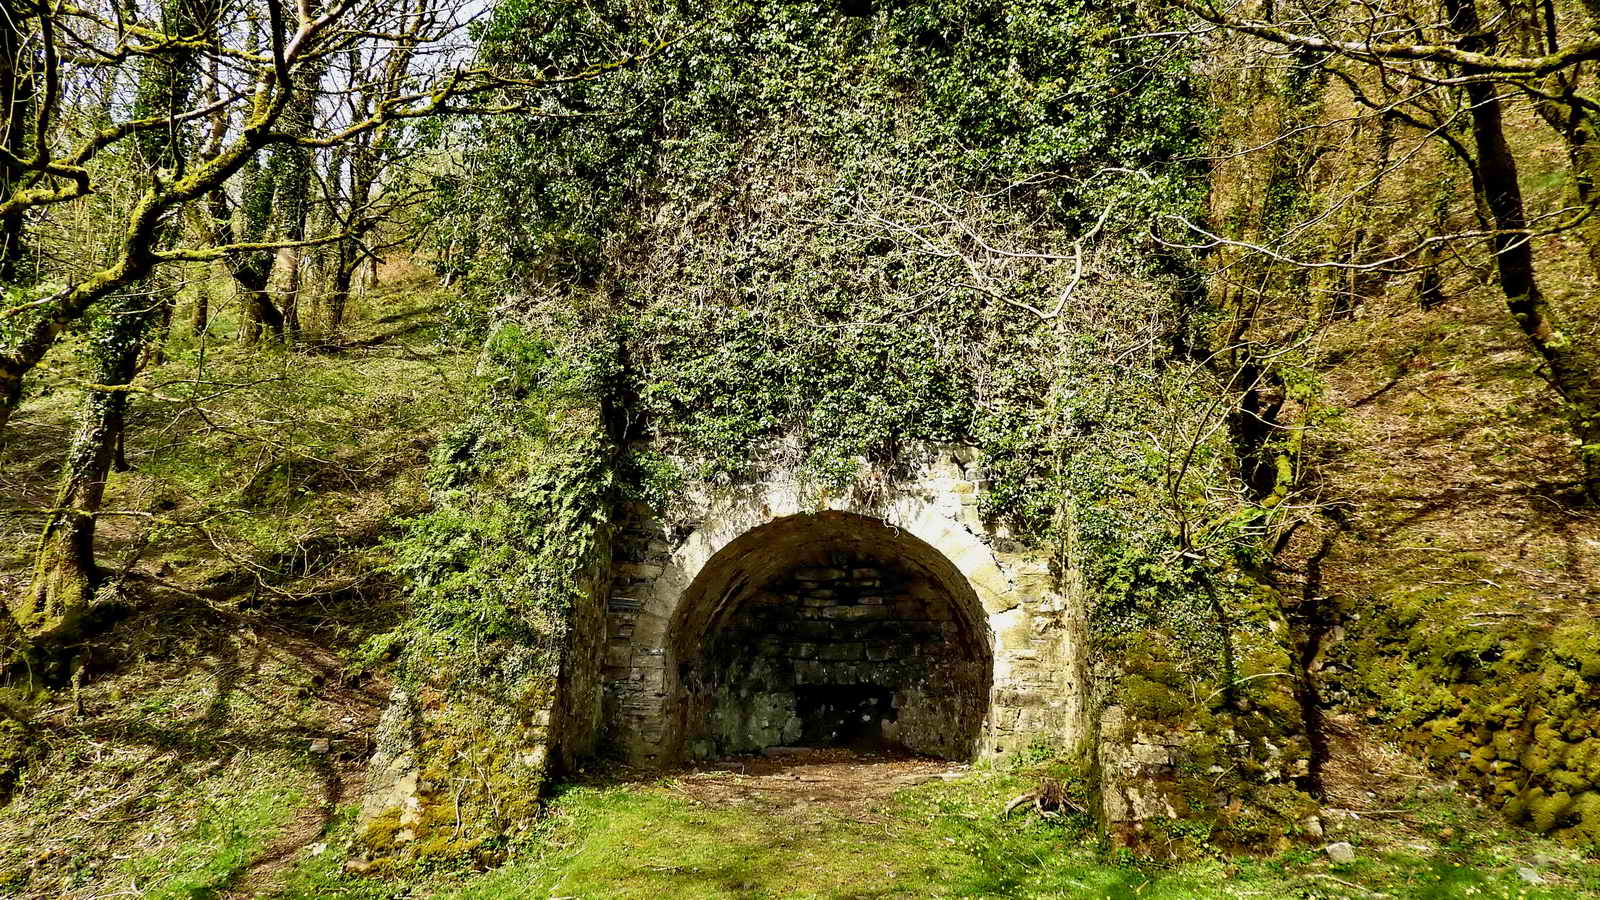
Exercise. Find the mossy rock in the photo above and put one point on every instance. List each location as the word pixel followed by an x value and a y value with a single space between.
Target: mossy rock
pixel 1578 645
pixel 381 832
pixel 1584 815
pixel 1507 745
pixel 1546 812
pixel 1152 700
pixel 1545 750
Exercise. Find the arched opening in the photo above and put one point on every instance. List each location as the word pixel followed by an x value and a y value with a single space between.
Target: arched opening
pixel 830 629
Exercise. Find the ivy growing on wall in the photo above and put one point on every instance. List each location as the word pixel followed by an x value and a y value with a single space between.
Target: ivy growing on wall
pixel 521 498
pixel 522 492
pixel 825 231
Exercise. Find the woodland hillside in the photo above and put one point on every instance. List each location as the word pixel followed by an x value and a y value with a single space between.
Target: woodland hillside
pixel 501 450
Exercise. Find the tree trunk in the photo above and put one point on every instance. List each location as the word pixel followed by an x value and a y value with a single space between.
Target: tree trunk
pixel 10 394
pixel 287 272
pixel 65 575
pixel 1571 365
pixel 250 271
pixel 64 571
pixel 200 320
pixel 260 313
pixel 364 164
pixel 16 95
pixel 1358 283
pixel 292 199
pixel 344 270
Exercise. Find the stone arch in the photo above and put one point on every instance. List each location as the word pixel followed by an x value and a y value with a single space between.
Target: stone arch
pixel 803 629
pixel 741 547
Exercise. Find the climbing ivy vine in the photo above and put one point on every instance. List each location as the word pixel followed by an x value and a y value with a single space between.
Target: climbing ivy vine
pixel 826 231
pixel 521 500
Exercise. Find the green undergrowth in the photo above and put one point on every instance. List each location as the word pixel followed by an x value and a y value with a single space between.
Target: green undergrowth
pixel 227 836
pixel 951 840
pixel 496 569
pixel 167 749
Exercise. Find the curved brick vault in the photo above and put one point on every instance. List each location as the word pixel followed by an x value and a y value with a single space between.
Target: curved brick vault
pixel 747 619
pixel 827 628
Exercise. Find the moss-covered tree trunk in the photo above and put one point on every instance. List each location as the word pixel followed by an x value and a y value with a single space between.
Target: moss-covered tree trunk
pixel 292 202
pixel 1580 135
pixel 16 96
pixel 344 270
pixel 65 575
pixel 1572 364
pixel 200 315
pixel 250 271
pixel 1571 113
pixel 362 176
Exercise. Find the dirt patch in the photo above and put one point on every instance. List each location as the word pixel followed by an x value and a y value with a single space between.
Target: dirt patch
pixel 802 782
pixel 344 749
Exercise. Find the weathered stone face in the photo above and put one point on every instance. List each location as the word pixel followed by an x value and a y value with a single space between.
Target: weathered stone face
pixel 841 649
pixel 735 614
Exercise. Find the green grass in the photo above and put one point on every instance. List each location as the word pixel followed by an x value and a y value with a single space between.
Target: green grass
pixel 229 834
pixel 948 840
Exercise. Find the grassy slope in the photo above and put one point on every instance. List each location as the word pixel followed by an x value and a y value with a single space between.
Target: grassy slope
pixel 184 761
pixel 1467 564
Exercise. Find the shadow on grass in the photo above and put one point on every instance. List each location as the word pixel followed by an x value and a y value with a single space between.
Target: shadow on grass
pixel 176 689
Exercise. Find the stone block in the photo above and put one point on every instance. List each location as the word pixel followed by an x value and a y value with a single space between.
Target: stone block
pixel 842 652
pixel 814 630
pixel 882 651
pixel 908 608
pixel 1340 852
pixel 1154 755
pixel 819 574
pixel 1019 699
pixel 856 612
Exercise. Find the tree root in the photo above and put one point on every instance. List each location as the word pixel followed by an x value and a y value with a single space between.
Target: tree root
pixel 1049 800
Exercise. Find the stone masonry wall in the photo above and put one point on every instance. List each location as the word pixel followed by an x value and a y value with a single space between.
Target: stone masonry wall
pixel 854 650
pixel 675 572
